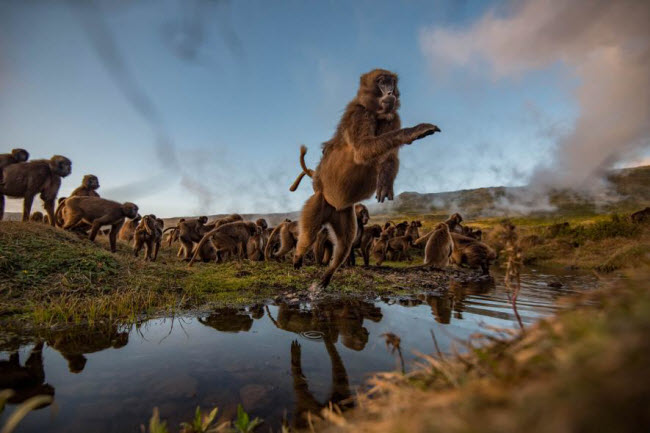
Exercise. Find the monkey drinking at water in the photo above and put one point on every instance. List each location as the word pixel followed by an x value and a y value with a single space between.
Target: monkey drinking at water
pixel 361 159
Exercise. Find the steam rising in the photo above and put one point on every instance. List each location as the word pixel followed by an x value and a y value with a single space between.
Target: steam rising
pixel 605 44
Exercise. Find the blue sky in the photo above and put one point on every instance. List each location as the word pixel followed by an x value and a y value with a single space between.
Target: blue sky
pixel 264 78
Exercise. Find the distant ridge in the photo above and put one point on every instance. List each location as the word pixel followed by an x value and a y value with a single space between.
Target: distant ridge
pixel 629 189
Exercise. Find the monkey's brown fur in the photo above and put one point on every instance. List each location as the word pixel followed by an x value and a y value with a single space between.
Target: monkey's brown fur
pixel 227 219
pixel 439 246
pixel 255 247
pixel 238 231
pixel 26 179
pixel 16 156
pixel 97 212
pixel 472 233
pixel 362 216
pixel 88 187
pixel 191 231
pixel 370 233
pixel 323 247
pixel 453 222
pixel 378 250
pixel 148 233
pixel 413 229
pixel 305 170
pixel 224 246
pixel 473 253
pixel 400 229
pixel 360 159
pixel 398 248
pixel 128 229
pixel 288 233
pixel 641 216
pixel 172 236
pixel 256 244
pixel 36 217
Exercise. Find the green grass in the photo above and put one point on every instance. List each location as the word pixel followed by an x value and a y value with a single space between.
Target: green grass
pixel 48 276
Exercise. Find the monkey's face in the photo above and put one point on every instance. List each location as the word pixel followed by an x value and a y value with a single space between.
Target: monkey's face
pixel 365 217
pixel 20 155
pixel 254 229
pixel 203 219
pixel 130 210
pixel 387 93
pixel 60 165
pixel 91 181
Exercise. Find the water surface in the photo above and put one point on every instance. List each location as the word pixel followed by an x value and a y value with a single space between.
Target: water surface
pixel 278 360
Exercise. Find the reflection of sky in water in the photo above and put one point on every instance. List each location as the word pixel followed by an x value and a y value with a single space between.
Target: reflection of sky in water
pixel 197 363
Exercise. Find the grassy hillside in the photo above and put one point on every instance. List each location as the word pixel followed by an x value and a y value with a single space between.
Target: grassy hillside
pixel 49 276
pixel 628 190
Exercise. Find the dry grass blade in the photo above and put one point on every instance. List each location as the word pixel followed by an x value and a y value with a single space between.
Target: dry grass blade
pixel 22 411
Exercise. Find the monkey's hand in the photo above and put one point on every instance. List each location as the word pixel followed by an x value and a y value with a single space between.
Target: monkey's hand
pixel 384 191
pixel 420 131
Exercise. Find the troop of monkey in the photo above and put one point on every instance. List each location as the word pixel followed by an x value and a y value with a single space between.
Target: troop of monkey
pixel 359 160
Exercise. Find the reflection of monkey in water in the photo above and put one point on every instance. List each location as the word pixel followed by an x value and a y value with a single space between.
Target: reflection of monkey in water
pixel 27 381
pixel 441 307
pixel 330 319
pixel 462 290
pixel 230 320
pixel 74 345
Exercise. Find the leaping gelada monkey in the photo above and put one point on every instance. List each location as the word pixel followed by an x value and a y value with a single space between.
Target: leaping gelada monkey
pixel 361 159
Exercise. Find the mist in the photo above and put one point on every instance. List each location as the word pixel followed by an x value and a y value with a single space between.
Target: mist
pixel 604 46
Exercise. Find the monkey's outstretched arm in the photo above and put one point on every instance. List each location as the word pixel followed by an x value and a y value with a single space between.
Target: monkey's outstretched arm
pixel 368 146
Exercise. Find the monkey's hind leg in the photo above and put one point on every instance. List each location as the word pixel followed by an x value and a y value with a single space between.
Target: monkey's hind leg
pixel 344 226
pixel 314 213
pixel 27 207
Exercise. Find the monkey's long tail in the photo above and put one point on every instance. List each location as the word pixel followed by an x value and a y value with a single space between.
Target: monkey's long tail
pixel 171 235
pixel 148 227
pixel 269 244
pixel 58 213
pixel 205 238
pixel 305 170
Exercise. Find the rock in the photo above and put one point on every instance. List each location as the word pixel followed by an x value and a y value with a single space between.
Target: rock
pixel 255 396
pixel 177 385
